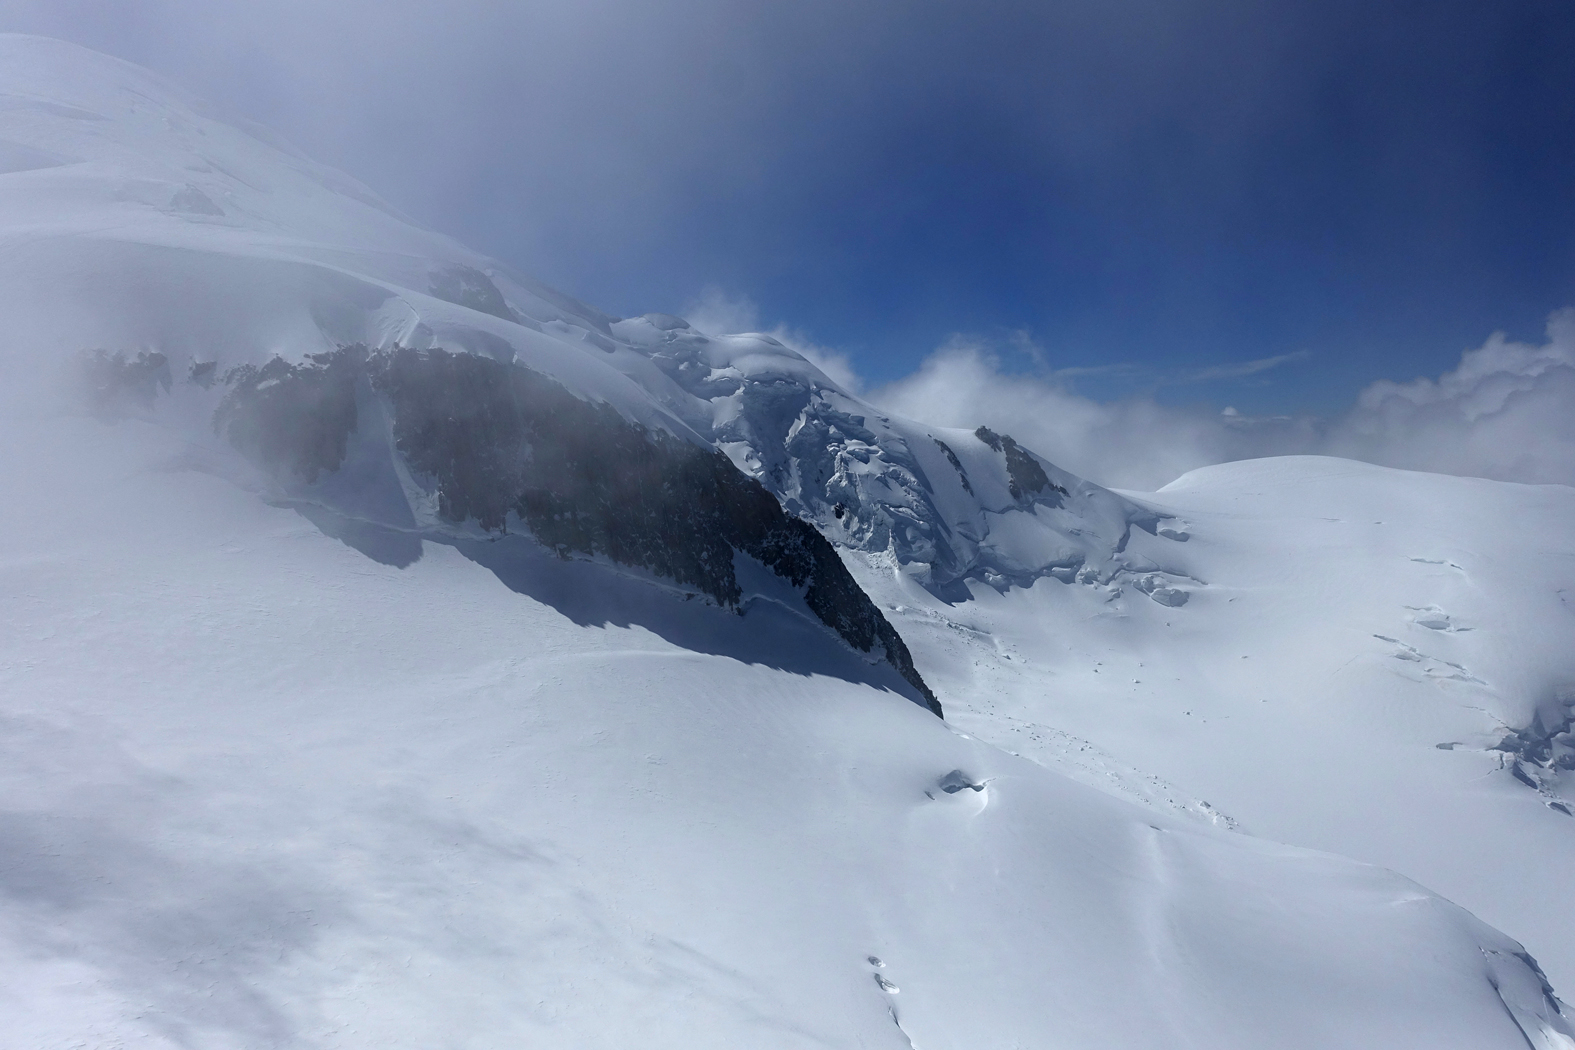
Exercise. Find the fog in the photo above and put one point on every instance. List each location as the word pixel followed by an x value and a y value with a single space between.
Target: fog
pixel 1131 180
pixel 1178 191
pixel 1506 412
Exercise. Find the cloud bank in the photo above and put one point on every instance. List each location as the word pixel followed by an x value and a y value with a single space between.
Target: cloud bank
pixel 1506 412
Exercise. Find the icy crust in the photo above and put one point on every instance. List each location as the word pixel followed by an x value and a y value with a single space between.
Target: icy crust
pixel 494 443
pixel 948 504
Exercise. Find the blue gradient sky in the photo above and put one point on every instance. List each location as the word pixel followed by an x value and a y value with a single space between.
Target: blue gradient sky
pixel 1157 191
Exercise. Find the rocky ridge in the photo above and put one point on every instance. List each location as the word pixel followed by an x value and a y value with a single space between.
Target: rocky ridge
pixel 946 505
pixel 495 445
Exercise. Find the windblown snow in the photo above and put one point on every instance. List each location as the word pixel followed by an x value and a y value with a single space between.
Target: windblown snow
pixel 339 712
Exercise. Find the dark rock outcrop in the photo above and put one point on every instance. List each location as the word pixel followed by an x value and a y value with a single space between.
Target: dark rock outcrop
pixel 296 418
pixel 193 201
pixel 947 510
pixel 497 439
pixel 951 457
pixel 467 286
pixel 1026 478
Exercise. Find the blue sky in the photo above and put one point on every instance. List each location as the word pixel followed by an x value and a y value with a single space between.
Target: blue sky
pixel 1143 197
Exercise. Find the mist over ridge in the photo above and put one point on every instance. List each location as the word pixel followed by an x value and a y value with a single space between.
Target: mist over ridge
pixel 1506 411
pixel 1182 189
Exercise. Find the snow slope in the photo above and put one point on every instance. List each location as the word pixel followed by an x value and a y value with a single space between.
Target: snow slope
pixel 261 790
pixel 1366 663
pixel 266 785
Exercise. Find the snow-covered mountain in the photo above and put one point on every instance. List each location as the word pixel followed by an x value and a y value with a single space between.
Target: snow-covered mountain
pixel 296 258
pixel 263 292
pixel 398 653
pixel 946 505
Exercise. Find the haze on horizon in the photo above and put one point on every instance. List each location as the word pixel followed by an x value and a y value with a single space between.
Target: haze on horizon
pixel 1095 225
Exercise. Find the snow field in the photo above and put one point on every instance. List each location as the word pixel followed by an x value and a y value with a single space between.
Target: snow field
pixel 1346 621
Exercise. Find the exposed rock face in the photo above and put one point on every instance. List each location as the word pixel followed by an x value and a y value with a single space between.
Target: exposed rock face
pixel 947 505
pixel 951 457
pixel 467 286
pixel 295 418
pixel 193 201
pixel 1026 478
pixel 498 440
pixel 815 448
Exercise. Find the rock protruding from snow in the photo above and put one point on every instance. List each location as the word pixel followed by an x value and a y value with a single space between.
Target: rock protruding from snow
pixel 496 443
pixel 948 505
pixel 467 286
pixel 212 253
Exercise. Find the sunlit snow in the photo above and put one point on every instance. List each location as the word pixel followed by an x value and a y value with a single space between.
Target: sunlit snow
pixel 264 789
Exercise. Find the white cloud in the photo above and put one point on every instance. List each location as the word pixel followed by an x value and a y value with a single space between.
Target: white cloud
pixel 717 313
pixel 1244 368
pixel 1134 443
pixel 1507 412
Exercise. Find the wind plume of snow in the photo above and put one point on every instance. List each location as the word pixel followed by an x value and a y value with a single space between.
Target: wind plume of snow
pixel 1507 413
pixel 715 312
